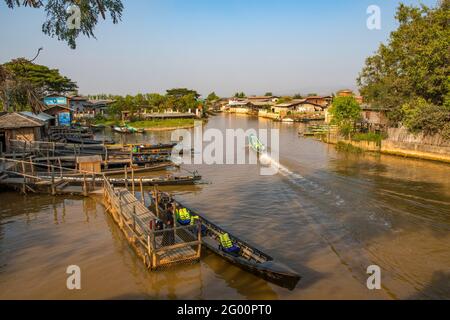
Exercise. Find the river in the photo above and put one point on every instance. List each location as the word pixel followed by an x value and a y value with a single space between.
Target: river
pixel 326 214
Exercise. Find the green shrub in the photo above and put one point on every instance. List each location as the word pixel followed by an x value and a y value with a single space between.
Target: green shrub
pixel 347 147
pixel 370 136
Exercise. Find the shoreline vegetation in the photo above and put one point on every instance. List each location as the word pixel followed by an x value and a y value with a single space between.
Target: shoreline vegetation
pixel 153 125
pixel 383 145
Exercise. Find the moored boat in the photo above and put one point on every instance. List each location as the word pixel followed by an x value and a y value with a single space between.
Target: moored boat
pixel 159 181
pixel 121 129
pixel 77 140
pixel 246 256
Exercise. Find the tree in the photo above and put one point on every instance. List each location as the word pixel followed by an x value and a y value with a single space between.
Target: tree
pixel 240 95
pixel 297 96
pixel 156 101
pixel 181 92
pixel 45 80
pixel 312 94
pixel 268 94
pixel 413 65
pixel 212 97
pixel 284 99
pixel 421 116
pixel 345 111
pixel 23 84
pixel 57 16
pixel 16 93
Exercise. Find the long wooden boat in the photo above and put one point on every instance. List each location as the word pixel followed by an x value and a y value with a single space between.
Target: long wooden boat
pixel 148 168
pixel 159 181
pixel 129 170
pixel 249 257
pixel 255 144
pixel 154 146
pixel 77 140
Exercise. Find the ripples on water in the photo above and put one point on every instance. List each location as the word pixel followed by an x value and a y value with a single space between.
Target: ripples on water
pixel 327 215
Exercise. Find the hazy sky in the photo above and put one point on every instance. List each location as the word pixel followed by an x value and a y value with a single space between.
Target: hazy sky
pixel 253 46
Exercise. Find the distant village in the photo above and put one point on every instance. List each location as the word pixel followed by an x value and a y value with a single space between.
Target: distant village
pixel 67 110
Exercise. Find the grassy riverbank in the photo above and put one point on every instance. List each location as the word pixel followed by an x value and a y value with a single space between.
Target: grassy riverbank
pixel 160 124
pixel 152 125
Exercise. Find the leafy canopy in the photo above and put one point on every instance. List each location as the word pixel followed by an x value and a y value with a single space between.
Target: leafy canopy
pixel 55 23
pixel 212 97
pixel 345 111
pixel 44 79
pixel 412 70
pixel 23 84
pixel 181 92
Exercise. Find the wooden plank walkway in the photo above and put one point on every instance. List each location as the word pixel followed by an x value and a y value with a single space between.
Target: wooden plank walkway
pixel 156 248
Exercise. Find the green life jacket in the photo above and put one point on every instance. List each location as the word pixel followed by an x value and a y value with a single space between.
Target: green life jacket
pixel 183 214
pixel 194 220
pixel 225 241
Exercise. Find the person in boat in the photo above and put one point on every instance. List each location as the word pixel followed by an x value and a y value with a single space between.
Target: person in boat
pixel 194 222
pixel 227 244
pixel 169 234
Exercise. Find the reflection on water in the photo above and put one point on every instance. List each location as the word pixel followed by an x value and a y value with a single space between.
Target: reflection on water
pixel 327 215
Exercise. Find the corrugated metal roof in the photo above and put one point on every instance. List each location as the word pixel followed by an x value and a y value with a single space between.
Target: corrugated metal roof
pixel 40 116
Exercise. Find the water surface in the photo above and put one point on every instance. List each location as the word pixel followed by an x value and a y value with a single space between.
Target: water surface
pixel 328 215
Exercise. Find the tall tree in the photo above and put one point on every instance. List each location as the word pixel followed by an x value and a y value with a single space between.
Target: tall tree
pixel 44 79
pixel 212 97
pixel 181 92
pixel 414 65
pixel 57 16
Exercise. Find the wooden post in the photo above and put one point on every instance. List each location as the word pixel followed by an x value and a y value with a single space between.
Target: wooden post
pixel 132 181
pixel 199 237
pixel 142 191
pixel 106 157
pixel 31 166
pixel 134 218
pixel 53 181
pixel 156 201
pixel 24 187
pixel 60 168
pixel 149 249
pixel 153 247
pixel 120 208
pixel 126 177
pixel 85 193
pixel 174 220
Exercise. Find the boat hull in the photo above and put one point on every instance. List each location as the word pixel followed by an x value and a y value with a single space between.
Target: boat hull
pixel 271 271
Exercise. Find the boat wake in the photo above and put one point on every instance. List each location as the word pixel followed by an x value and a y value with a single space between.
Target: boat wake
pixel 299 180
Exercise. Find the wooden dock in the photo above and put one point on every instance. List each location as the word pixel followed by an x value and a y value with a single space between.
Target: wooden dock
pixel 156 248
